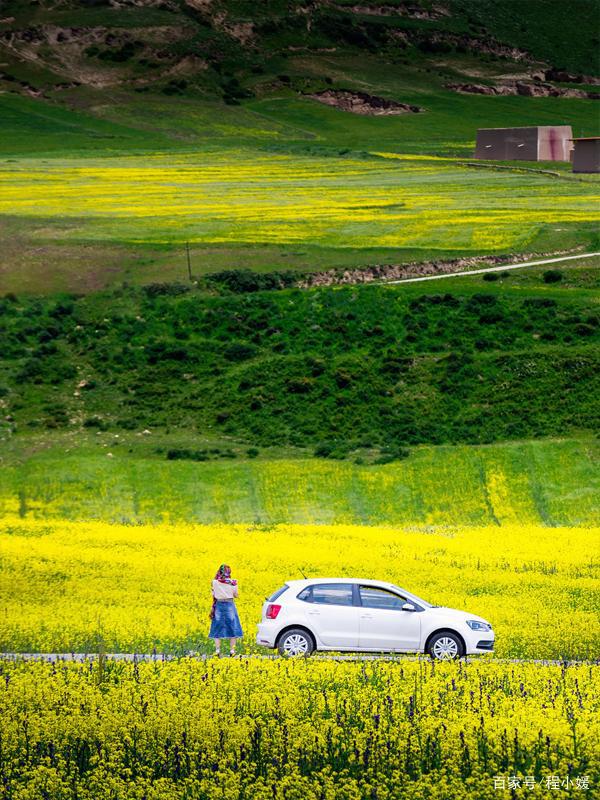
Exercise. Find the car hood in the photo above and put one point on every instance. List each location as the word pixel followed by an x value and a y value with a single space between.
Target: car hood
pixel 454 613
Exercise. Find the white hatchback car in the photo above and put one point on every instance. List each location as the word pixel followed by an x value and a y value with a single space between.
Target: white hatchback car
pixel 366 616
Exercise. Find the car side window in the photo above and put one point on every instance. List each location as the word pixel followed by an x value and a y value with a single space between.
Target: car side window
pixel 374 597
pixel 332 594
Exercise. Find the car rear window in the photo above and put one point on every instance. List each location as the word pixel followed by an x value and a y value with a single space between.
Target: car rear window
pixel 276 594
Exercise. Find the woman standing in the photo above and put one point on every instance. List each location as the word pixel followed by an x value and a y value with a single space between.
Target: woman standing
pixel 225 623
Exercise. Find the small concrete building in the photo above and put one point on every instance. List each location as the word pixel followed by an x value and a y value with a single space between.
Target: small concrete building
pixel 540 143
pixel 586 155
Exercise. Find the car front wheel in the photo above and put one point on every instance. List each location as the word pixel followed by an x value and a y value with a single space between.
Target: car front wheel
pixel 445 646
pixel 295 642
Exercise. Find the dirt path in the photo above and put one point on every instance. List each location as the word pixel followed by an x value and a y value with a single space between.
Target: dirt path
pixel 494 269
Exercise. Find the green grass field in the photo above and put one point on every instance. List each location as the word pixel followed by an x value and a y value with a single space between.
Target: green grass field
pixel 550 483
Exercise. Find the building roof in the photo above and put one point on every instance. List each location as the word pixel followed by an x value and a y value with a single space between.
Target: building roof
pixel 524 128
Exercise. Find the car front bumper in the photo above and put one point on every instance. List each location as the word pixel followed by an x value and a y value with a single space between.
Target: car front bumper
pixel 479 641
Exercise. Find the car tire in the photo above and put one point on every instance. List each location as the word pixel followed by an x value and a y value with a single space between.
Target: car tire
pixel 445 646
pixel 296 642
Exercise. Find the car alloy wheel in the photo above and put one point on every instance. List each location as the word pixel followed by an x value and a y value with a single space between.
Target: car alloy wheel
pixel 296 645
pixel 445 648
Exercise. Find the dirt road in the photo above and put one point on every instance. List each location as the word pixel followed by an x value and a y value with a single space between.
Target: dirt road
pixel 502 268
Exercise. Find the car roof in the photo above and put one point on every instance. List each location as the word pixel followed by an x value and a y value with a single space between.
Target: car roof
pixel 312 581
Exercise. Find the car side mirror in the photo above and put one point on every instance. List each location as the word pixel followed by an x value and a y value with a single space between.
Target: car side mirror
pixel 409 607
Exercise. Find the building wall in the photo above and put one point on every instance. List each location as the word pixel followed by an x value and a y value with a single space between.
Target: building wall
pixel 554 143
pixel 507 144
pixel 543 143
pixel 586 157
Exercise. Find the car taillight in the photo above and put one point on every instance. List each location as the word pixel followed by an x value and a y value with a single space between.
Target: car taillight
pixel 272 611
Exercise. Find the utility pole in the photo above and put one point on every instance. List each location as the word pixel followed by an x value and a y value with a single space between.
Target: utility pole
pixel 189 263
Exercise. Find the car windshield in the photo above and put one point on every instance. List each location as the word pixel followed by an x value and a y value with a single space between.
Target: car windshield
pixel 410 596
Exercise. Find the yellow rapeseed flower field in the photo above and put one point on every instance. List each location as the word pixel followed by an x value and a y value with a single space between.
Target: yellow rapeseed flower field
pixel 298 730
pixel 242 196
pixel 281 729
pixel 80 585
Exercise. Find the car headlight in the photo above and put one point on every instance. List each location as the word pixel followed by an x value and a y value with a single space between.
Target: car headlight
pixel 476 625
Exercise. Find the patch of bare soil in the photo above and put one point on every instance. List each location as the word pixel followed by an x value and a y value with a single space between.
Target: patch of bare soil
pixel 188 65
pixel 484 45
pixel 390 272
pixel 409 10
pixel 363 103
pixel 199 5
pixel 534 89
pixel 242 31
pixel 562 76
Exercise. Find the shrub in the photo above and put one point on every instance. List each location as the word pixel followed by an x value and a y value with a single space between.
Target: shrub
pixel 300 385
pixel 95 422
pixel 392 453
pixel 552 276
pixel 243 281
pixel 583 329
pixel 165 289
pixel 239 351
pixel 190 455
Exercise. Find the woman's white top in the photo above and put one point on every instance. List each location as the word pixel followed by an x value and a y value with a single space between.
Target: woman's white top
pixel 224 591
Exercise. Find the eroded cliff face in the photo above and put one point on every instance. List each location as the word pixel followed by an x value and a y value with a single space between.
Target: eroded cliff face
pixel 363 103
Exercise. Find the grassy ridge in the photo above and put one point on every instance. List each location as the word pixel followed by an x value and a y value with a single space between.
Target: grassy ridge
pixel 546 482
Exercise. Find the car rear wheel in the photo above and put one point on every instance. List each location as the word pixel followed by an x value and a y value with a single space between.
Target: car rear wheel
pixel 295 642
pixel 445 646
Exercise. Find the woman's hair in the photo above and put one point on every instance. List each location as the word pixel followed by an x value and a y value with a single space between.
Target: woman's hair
pixel 223 573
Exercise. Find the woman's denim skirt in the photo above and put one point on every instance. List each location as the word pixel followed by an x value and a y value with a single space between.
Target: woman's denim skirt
pixel 226 623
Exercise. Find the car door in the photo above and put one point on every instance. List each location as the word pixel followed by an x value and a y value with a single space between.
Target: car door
pixel 382 623
pixel 332 614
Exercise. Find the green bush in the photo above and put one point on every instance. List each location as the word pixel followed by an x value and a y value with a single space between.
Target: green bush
pixel 96 422
pixel 552 276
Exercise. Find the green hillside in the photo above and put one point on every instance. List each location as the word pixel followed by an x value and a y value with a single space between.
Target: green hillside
pixel 342 368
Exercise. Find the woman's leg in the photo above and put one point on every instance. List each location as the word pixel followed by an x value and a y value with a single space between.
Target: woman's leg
pixel 217 646
pixel 232 646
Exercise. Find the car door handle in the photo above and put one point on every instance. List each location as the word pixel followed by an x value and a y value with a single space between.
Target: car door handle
pixel 366 616
pixel 314 613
